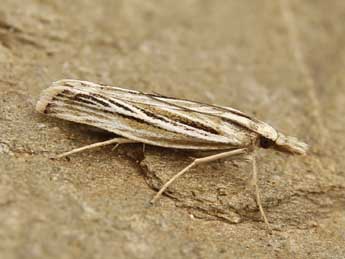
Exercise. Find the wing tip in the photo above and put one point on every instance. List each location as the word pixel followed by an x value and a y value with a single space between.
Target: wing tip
pixel 47 97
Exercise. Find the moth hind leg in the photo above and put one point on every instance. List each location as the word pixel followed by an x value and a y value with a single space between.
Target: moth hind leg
pixel 98 144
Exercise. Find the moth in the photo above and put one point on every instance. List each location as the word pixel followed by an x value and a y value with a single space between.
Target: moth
pixel 168 122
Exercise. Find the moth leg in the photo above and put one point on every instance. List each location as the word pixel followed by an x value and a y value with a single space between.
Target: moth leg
pixel 98 144
pixel 198 161
pixel 257 191
pixel 115 147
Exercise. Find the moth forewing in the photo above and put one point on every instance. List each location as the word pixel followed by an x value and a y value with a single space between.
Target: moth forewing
pixel 139 117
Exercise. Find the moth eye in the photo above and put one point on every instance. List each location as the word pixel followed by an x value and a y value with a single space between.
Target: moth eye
pixel 266 143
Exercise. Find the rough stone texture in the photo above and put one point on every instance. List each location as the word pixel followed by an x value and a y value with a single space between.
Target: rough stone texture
pixel 280 60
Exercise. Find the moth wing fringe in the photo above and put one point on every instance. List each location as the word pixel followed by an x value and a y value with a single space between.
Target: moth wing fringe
pixel 47 96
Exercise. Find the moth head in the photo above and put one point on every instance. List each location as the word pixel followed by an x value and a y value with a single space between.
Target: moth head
pixel 284 144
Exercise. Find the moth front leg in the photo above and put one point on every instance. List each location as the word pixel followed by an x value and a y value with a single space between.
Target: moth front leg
pixel 98 144
pixel 257 191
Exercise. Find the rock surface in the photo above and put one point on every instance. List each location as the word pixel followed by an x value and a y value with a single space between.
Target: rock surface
pixel 282 61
